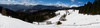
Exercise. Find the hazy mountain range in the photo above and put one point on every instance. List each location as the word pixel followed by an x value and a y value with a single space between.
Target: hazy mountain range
pixel 30 8
pixel 33 7
pixel 15 7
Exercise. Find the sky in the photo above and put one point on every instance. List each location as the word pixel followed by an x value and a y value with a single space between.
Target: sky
pixel 47 2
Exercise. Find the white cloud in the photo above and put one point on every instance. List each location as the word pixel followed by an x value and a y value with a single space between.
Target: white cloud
pixel 58 4
pixel 28 2
pixel 80 2
pixel 13 1
pixel 2 0
pixel 74 5
pixel 73 0
pixel 40 1
pixel 50 4
pixel 62 4
pixel 9 0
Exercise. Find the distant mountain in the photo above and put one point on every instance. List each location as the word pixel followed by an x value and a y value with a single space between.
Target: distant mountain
pixel 40 7
pixel 20 10
pixel 15 7
pixel 30 8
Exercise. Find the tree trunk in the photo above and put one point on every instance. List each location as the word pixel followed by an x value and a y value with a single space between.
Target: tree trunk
pixel 38 23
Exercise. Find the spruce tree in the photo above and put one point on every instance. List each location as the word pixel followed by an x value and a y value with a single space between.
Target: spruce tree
pixel 88 10
pixel 4 11
pixel 94 7
pixel 98 7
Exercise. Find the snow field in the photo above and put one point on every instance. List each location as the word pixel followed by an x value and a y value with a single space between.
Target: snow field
pixel 76 19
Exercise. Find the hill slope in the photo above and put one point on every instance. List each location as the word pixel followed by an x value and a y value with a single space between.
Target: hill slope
pixel 6 22
pixel 76 19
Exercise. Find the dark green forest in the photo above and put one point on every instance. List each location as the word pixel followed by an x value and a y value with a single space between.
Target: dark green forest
pixel 90 8
pixel 38 16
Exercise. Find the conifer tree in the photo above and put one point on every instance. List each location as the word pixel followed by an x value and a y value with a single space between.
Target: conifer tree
pixel 94 7
pixel 4 11
pixel 88 9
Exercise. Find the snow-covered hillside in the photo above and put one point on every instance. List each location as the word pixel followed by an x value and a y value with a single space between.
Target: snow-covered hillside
pixel 6 22
pixel 74 20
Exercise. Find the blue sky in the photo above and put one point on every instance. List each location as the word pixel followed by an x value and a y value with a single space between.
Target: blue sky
pixel 47 2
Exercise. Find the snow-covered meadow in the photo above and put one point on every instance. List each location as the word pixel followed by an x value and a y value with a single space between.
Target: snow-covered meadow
pixel 74 20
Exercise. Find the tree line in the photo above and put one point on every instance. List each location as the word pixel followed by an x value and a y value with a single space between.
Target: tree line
pixel 90 8
pixel 39 16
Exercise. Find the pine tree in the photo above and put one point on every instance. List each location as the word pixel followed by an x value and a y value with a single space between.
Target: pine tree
pixel 98 7
pixel 88 9
pixel 58 23
pixel 91 8
pixel 40 18
pixel 94 7
pixel 4 11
